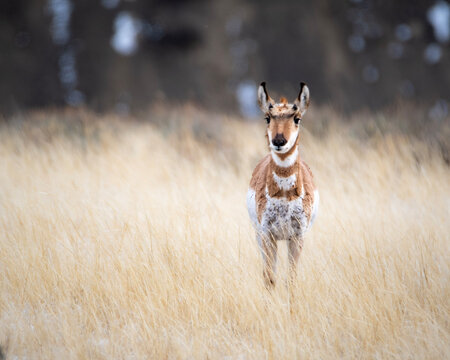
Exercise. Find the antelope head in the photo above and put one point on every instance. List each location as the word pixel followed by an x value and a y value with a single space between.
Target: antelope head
pixel 283 118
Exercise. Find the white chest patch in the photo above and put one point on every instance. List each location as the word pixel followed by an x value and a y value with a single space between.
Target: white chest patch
pixel 281 218
pixel 285 183
pixel 284 219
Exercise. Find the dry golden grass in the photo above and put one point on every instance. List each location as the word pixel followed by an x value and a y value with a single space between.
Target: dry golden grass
pixel 132 240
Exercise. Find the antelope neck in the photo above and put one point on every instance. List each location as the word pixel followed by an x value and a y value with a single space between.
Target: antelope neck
pixel 283 171
pixel 284 180
pixel 285 163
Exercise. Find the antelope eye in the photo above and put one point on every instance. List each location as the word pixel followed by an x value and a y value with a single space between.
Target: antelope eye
pixel 297 120
pixel 267 119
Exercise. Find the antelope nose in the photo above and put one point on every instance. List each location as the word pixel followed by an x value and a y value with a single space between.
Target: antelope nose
pixel 279 140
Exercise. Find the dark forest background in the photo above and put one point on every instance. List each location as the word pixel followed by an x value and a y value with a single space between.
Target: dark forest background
pixel 122 56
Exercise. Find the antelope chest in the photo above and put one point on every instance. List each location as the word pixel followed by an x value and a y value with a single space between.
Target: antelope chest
pixel 280 218
pixel 284 218
pixel 282 203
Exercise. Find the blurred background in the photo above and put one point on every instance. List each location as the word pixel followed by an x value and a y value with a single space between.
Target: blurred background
pixel 124 55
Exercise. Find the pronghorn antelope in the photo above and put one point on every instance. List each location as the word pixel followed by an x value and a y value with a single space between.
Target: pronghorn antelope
pixel 282 200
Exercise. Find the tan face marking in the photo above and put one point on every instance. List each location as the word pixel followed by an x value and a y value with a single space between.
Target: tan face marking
pixel 283 126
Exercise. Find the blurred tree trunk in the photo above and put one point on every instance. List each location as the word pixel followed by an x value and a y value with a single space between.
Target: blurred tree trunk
pixel 28 57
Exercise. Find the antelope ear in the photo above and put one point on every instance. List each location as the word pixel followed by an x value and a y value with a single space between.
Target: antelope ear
pixel 302 101
pixel 264 100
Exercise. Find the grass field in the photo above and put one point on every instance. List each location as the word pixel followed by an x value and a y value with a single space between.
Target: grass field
pixel 130 239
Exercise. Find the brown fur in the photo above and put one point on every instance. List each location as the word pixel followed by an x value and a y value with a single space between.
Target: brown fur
pixel 263 175
pixel 309 187
pixel 285 171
